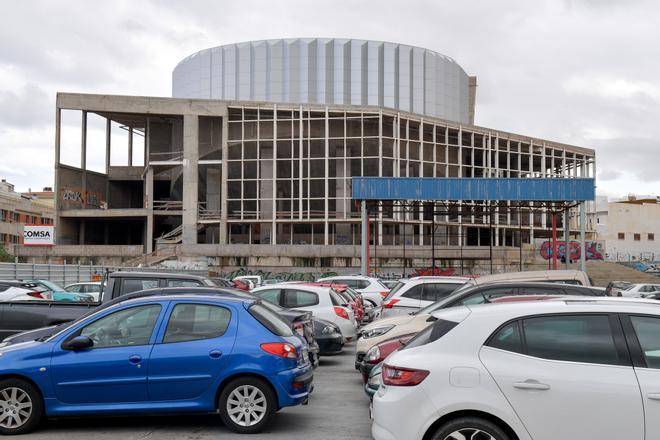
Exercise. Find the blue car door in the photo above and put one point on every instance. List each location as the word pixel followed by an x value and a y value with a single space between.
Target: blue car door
pixel 193 347
pixel 114 370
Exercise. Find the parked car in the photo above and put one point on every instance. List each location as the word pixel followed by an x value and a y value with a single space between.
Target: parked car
pixel 560 369
pixel 92 288
pixel 9 290
pixel 387 328
pixel 390 284
pixel 19 316
pixel 53 292
pixel 640 290
pixel 576 277
pixel 241 360
pixel 371 289
pixel 412 294
pixel 352 298
pixel 373 382
pixel 328 337
pixel 252 280
pixel 323 302
pixel 377 354
pixel 614 288
pixel 244 285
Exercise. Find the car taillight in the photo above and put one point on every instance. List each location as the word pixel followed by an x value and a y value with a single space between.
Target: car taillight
pixel 341 312
pixel 35 295
pixel 402 377
pixel 384 294
pixel 280 349
pixel 299 327
pixel 389 304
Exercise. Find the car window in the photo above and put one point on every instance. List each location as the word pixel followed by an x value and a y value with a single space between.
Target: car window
pixel 299 298
pixel 540 290
pixel 125 327
pixel 363 284
pixel 648 334
pixel 270 295
pixel 192 322
pixel 336 299
pixel 414 292
pixel 437 291
pixel 431 333
pixel 475 298
pixel 394 290
pixel 271 320
pixel 580 338
pixel 136 284
pixel 74 289
pixel 498 292
pixel 572 282
pixel 507 338
pixel 183 283
pixel 93 288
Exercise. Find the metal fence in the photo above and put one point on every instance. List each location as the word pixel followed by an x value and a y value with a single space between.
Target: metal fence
pixel 64 274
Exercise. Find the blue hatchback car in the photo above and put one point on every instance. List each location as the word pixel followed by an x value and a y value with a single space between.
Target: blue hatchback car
pixel 159 354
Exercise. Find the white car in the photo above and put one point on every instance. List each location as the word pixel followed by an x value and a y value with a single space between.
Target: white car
pixel 640 290
pixel 19 291
pixel 323 302
pixel 372 289
pixel 579 368
pixel 412 294
pixel 92 288
pixel 253 280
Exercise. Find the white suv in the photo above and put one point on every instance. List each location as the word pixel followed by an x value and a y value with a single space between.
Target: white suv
pixel 579 368
pixel 412 294
pixel 323 302
pixel 372 290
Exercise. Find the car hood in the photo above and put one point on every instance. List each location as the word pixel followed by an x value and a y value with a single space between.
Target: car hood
pixel 8 351
pixel 394 320
pixel 32 335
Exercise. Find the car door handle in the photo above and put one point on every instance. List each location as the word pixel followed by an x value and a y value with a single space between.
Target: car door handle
pixel 135 359
pixel 653 396
pixel 531 384
pixel 215 354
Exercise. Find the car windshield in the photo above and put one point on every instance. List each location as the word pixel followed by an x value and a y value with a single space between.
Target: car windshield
pixel 443 302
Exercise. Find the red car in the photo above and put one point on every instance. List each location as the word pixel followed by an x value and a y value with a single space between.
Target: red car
pixel 379 352
pixel 241 285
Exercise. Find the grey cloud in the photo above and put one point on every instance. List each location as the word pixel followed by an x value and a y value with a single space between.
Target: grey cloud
pixel 26 107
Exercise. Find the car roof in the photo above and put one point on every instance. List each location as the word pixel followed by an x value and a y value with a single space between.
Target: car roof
pixel 550 274
pixel 435 279
pixel 296 285
pixel 562 305
pixel 170 293
pixel 348 277
pixel 123 274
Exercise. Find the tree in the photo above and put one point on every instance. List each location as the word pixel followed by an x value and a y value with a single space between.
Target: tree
pixel 4 255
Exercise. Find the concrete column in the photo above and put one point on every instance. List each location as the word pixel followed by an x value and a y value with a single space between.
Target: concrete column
pixel 58 118
pixel 83 141
pixel 149 199
pixel 364 242
pixel 107 147
pixel 190 178
pixel 583 240
pixel 130 146
pixel 222 235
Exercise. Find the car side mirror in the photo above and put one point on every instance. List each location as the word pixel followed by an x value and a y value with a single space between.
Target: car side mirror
pixel 78 343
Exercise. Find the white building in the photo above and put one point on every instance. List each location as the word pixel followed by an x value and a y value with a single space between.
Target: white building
pixel 630 228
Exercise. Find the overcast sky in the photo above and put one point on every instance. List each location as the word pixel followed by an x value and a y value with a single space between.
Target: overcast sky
pixel 584 72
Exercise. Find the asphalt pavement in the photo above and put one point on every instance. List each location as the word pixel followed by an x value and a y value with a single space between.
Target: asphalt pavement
pixel 338 409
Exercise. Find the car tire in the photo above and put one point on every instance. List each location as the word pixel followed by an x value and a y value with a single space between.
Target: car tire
pixel 467 427
pixel 247 405
pixel 21 407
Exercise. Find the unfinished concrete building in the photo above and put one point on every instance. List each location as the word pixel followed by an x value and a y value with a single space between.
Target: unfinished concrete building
pixel 230 170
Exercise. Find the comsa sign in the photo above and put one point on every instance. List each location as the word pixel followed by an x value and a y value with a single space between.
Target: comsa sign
pixel 38 235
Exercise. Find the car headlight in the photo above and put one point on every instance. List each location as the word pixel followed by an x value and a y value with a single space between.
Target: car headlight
pixel 372 355
pixel 372 333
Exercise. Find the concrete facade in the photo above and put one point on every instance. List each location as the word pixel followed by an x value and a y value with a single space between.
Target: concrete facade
pixel 270 178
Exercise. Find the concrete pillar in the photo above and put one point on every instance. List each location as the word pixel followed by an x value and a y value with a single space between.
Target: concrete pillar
pixel 149 201
pixel 130 146
pixel 58 117
pixel 364 242
pixel 83 141
pixel 222 234
pixel 107 147
pixel 190 178
pixel 583 240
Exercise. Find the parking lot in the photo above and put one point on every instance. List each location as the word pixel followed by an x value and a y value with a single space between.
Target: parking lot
pixel 338 409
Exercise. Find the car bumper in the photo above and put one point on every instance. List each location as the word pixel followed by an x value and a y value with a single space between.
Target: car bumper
pixel 365 368
pixel 294 386
pixel 400 413
pixel 347 328
pixel 370 390
pixel 330 346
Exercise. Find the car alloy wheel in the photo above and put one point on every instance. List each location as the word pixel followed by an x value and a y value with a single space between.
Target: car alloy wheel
pixel 247 405
pixel 469 434
pixel 15 408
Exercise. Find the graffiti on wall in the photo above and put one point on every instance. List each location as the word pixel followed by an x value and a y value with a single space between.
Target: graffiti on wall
pixel 79 197
pixel 594 250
